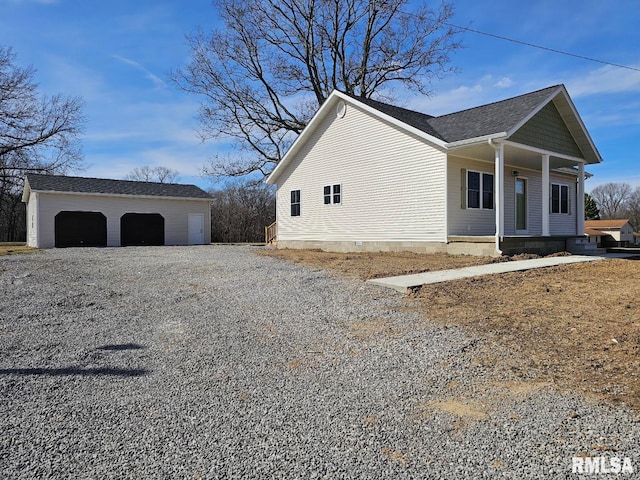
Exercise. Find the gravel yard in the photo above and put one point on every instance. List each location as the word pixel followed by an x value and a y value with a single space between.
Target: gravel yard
pixel 214 362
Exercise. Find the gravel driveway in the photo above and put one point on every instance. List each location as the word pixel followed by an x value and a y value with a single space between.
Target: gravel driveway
pixel 213 362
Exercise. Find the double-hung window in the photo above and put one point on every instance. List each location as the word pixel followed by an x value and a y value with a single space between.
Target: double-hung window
pixel 479 190
pixel 332 194
pixel 295 203
pixel 559 198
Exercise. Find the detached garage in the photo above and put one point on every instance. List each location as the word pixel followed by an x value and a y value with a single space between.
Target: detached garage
pixel 94 212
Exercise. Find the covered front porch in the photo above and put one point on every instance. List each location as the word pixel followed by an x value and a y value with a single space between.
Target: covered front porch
pixel 517 196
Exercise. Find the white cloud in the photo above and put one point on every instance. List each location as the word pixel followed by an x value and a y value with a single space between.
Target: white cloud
pixel 484 90
pixel 157 81
pixel 504 82
pixel 608 79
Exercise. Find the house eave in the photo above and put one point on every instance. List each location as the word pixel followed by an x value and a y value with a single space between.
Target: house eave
pixel 122 195
pixel 475 141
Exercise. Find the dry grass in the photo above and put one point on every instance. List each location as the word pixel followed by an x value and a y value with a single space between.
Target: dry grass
pixel 15 248
pixel 376 264
pixel 576 327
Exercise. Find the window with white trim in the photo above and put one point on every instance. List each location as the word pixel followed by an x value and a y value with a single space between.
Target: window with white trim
pixel 295 203
pixel 479 190
pixel 332 194
pixel 559 198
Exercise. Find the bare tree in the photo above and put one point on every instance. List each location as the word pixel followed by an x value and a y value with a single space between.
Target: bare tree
pixel 153 174
pixel 240 212
pixel 37 133
pixel 633 208
pixel 611 199
pixel 263 76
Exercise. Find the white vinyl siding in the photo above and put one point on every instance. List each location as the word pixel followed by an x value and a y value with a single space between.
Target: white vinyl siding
pixel 175 213
pixel 395 184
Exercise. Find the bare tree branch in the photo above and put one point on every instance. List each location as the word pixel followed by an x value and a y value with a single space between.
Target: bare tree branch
pixel 612 199
pixel 37 133
pixel 153 174
pixel 265 74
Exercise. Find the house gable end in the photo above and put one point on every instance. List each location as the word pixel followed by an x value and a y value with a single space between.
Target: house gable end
pixel 328 108
pixel 547 130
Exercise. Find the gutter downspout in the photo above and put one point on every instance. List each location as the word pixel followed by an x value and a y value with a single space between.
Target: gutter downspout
pixel 499 179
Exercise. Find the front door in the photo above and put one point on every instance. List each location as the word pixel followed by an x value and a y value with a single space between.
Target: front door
pixel 521 205
pixel 196 229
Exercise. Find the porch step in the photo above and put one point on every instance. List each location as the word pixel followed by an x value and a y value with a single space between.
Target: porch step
pixel 585 249
pixel 582 246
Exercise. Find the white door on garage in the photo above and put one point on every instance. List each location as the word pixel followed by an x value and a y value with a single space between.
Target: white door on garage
pixel 196 229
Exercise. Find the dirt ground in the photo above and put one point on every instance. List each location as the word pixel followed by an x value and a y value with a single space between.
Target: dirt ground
pixel 376 264
pixel 574 326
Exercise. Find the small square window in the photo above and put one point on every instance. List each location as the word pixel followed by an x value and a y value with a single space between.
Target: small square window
pixel 332 194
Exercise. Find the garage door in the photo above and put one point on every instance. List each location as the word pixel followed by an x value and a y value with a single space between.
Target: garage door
pixel 80 229
pixel 141 229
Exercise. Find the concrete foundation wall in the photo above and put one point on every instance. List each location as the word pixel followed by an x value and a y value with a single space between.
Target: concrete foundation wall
pixel 344 247
pixel 509 246
pixel 537 245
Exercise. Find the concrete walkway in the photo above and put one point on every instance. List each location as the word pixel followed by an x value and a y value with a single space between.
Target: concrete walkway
pixel 402 282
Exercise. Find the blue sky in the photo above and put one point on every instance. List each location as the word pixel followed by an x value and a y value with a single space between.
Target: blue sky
pixel 117 56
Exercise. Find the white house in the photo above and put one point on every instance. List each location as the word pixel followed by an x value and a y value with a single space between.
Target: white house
pixel 611 233
pixel 500 178
pixel 75 211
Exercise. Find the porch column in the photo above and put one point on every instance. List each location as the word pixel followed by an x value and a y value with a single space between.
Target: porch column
pixel 545 196
pixel 580 201
pixel 499 195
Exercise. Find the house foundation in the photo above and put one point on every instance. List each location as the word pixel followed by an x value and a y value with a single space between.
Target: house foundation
pixel 456 245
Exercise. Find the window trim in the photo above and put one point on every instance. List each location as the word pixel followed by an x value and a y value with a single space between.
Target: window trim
pixel 481 190
pixel 331 196
pixel 295 212
pixel 560 186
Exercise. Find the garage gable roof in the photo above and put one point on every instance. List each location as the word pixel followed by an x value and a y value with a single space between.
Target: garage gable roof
pixel 104 186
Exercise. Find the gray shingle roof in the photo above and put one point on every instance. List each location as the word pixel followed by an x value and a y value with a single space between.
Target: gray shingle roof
pixel 418 120
pixel 475 122
pixel 58 183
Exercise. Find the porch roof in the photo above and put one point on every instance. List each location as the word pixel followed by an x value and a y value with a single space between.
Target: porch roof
pixel 474 126
pixel 471 123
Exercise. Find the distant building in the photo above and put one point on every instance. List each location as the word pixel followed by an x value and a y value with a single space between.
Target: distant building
pixel 75 212
pixel 610 233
